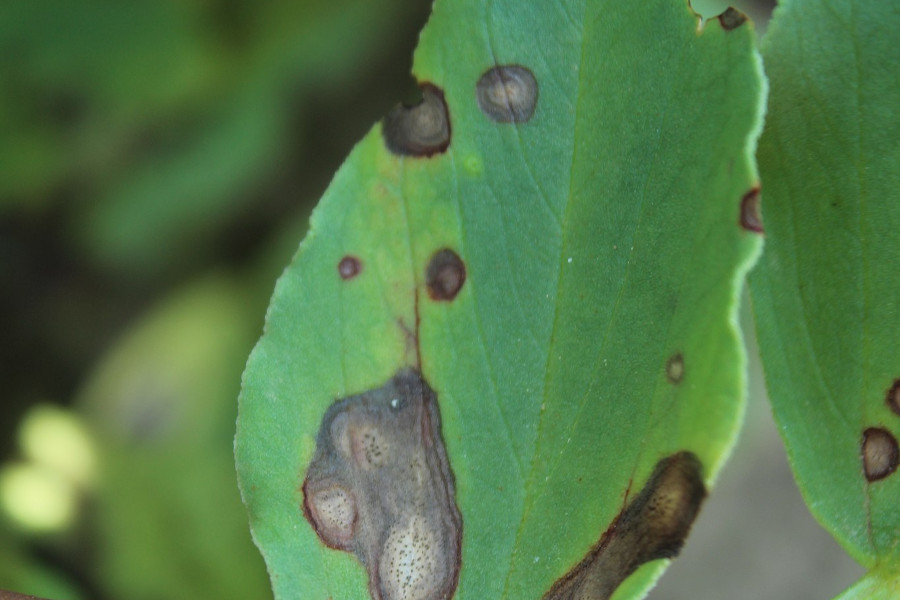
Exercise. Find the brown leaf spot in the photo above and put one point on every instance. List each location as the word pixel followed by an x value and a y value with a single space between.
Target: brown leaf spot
pixel 349 267
pixel 750 215
pixel 653 526
pixel 445 275
pixel 420 130
pixel 732 18
pixel 879 453
pixel 380 486
pixel 333 512
pixel 507 94
pixel 893 397
pixel 675 369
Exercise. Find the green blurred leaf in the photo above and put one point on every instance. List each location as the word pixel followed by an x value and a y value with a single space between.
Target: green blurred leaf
pixel 169 519
pixel 169 201
pixel 19 572
pixel 207 175
pixel 161 123
pixel 824 295
pixel 602 249
pixel 78 77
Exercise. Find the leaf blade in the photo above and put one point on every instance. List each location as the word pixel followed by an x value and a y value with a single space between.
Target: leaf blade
pixel 821 293
pixel 625 168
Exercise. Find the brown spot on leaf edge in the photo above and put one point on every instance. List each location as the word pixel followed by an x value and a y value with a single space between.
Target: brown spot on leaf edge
pixel 420 130
pixel 893 397
pixel 445 275
pixel 880 454
pixel 507 94
pixel 349 267
pixel 380 486
pixel 732 18
pixel 751 220
pixel 653 526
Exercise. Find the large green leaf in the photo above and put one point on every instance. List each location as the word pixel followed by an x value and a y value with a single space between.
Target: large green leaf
pixel 824 295
pixel 594 332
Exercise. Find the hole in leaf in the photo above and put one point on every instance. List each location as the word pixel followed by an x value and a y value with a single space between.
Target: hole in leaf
pixel 879 453
pixel 380 486
pixel 445 275
pixel 654 525
pixel 507 94
pixel 420 130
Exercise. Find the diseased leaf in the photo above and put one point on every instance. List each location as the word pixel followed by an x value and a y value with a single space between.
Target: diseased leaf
pixel 825 293
pixel 552 240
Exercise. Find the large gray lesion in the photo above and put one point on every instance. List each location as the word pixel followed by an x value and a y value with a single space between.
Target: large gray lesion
pixel 380 486
pixel 654 525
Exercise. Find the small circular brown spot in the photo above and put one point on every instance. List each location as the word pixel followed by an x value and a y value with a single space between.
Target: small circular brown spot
pixel 445 275
pixel 675 369
pixel 507 94
pixel 879 453
pixel 732 18
pixel 750 217
pixel 349 267
pixel 893 397
pixel 420 130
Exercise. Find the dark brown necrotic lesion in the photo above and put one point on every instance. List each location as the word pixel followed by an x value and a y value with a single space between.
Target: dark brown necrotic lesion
pixel 445 275
pixel 880 453
pixel 654 525
pixel 380 486
pixel 732 18
pixel 420 130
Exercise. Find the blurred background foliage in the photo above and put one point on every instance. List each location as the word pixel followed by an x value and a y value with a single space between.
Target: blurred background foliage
pixel 158 162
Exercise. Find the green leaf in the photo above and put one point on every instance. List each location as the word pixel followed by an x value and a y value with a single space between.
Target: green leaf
pixel 824 294
pixel 593 334
pixel 20 572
